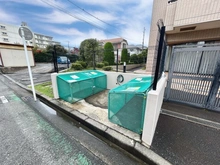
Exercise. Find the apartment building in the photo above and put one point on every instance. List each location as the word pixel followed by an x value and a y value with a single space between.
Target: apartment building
pixel 9 35
pixel 42 41
pixel 186 21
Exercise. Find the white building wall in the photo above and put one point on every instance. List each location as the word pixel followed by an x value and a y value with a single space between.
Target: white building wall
pixel 9 34
pixel 15 57
pixel 196 11
pixel 42 41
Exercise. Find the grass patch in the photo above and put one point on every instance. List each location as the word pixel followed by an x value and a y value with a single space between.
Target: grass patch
pixel 45 88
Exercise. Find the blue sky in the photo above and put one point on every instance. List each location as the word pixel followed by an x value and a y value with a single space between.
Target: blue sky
pixel 75 20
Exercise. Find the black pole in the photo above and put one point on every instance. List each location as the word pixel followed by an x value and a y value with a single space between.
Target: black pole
pixel 162 32
pixel 117 62
pixel 67 60
pixel 124 67
pixel 93 60
pixel 55 59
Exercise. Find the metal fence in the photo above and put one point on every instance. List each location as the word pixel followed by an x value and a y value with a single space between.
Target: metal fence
pixel 194 76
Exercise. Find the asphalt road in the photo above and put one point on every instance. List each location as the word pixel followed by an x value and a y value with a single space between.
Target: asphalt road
pixel 182 142
pixel 32 133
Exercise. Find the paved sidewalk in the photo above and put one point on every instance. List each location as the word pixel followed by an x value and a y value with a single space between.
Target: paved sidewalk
pixel 96 119
pixel 187 135
pixel 184 135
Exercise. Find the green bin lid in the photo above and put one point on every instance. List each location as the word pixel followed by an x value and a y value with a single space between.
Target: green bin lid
pixel 141 80
pixel 132 87
pixel 93 73
pixel 73 77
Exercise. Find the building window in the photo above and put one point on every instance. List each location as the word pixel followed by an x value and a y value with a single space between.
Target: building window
pixel 5 39
pixel 2 27
pixel 4 33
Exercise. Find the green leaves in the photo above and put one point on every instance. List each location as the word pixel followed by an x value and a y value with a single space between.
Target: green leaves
pixel 109 53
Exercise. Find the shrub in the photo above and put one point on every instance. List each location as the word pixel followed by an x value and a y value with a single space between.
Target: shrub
pixel 76 66
pixel 105 63
pixel 107 68
pixel 109 53
pixel 82 63
pixel 99 65
pixel 140 58
pixel 125 55
pixel 134 58
pixel 43 57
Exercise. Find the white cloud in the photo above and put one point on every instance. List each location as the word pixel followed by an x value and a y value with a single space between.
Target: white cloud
pixel 107 3
pixel 7 17
pixel 128 18
pixel 65 31
pixel 42 3
pixel 104 16
pixel 75 40
pixel 56 17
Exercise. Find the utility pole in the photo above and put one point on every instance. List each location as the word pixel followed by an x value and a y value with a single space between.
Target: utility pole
pixel 143 44
pixel 68 46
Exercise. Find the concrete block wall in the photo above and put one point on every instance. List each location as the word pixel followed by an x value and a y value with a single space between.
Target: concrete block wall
pixel 156 15
pixel 196 11
pixel 152 112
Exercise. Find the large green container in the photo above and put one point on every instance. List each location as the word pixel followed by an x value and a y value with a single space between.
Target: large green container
pixel 75 86
pixel 126 103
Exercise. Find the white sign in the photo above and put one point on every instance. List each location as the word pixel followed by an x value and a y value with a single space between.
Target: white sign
pixel 28 35
pixel 25 33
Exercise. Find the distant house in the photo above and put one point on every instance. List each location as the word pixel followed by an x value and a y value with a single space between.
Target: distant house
pixel 118 44
pixel 132 49
pixel 75 51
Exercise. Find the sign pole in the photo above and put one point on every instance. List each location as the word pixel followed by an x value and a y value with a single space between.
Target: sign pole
pixel 28 64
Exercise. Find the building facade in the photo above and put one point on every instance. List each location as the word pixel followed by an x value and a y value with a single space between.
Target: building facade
pixel 118 45
pixel 42 41
pixel 186 21
pixel 132 49
pixel 9 35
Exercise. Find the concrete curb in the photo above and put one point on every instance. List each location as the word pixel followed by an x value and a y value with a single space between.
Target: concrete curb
pixel 130 145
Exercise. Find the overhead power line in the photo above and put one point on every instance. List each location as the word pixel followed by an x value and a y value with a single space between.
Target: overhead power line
pixel 90 14
pixel 83 20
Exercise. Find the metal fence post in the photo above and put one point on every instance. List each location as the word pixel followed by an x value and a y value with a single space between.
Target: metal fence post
pixel 162 32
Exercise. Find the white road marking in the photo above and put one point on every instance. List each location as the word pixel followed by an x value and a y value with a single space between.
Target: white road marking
pixel 3 99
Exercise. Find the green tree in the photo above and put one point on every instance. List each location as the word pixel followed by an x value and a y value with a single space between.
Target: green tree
pixel 89 48
pixel 140 58
pixel 134 58
pixel 109 53
pixel 125 55
pixel 144 54
pixel 99 54
pixel 60 50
